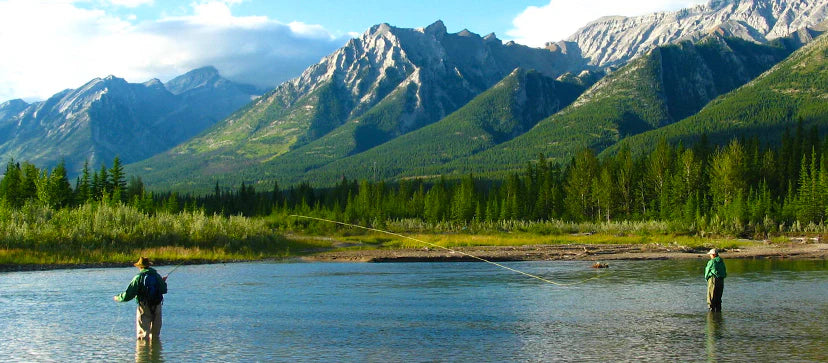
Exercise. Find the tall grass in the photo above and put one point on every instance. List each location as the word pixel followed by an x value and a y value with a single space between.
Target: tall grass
pixel 104 233
pixel 512 233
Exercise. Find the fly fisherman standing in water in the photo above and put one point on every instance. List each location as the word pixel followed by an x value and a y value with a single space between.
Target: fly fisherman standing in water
pixel 149 288
pixel 715 274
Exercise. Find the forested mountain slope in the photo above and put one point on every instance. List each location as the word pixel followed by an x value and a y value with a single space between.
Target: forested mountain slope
pixel 510 108
pixel 667 85
pixel 792 91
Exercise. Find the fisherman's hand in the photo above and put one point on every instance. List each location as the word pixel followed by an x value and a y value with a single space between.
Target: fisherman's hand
pixel 115 298
pixel 164 278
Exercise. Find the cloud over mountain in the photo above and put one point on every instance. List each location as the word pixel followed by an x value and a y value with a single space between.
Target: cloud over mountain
pixel 92 43
pixel 561 18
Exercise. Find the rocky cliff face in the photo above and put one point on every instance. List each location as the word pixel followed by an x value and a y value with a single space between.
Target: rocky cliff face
pixel 446 69
pixel 110 117
pixel 612 41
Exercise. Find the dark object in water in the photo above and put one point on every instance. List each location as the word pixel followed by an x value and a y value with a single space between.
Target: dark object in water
pixel 600 265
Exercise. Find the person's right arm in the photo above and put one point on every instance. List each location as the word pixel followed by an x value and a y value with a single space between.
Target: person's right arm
pixel 131 290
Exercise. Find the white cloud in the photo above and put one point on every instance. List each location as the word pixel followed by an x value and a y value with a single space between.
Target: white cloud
pixel 561 18
pixel 51 46
pixel 131 3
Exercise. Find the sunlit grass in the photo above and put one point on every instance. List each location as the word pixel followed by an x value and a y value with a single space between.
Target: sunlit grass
pixel 104 234
pixel 374 240
pixel 98 233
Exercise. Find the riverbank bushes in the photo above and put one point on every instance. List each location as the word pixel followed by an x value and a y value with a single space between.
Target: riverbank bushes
pixel 98 232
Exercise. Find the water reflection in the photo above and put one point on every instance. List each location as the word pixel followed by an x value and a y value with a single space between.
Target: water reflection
pixel 714 334
pixel 148 351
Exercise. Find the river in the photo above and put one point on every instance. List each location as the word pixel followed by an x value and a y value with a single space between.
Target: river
pixel 393 312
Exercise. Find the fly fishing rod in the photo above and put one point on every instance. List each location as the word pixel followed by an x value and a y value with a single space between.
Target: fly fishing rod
pixel 173 270
pixel 448 249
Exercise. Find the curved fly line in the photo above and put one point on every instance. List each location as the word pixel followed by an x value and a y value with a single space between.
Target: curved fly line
pixel 450 250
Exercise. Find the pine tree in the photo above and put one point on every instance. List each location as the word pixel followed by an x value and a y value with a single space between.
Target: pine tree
pixel 728 183
pixel 578 189
pixel 10 186
pixel 60 189
pixel 463 203
pixel 604 192
pixel 83 188
pixel 117 179
pixel 686 185
pixel 134 188
pixel 809 204
pixel 625 181
pixel 436 199
pixel 659 171
pixel 28 183
pixel 275 195
pixel 103 187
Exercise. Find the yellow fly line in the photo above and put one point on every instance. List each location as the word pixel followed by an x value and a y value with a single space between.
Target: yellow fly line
pixel 450 250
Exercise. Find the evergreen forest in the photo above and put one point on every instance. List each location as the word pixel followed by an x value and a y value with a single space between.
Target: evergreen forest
pixel 744 188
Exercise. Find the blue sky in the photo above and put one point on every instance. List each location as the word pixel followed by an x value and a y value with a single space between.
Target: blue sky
pixel 51 45
pixel 343 17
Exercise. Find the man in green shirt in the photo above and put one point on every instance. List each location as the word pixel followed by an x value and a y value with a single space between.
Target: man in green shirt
pixel 148 287
pixel 715 274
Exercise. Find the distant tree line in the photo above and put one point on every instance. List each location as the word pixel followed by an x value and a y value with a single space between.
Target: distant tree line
pixel 743 187
pixel 24 183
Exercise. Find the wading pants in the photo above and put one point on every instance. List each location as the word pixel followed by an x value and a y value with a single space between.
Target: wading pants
pixel 148 322
pixel 715 288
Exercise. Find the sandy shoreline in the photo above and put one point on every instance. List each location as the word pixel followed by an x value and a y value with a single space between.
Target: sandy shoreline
pixel 583 252
pixel 587 252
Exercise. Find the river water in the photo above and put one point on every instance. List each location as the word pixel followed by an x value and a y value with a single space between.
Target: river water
pixel 650 310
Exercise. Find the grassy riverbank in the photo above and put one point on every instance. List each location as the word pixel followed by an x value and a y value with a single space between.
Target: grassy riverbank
pixel 101 234
pixel 510 233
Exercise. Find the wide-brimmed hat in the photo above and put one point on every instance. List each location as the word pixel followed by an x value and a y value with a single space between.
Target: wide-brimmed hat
pixel 143 262
pixel 713 251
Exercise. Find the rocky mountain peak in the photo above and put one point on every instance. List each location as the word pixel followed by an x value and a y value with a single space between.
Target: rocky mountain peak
pixel 614 40
pixel 153 83
pixel 11 108
pixel 109 116
pixel 379 29
pixel 15 103
pixel 718 4
pixel 195 78
pixel 467 33
pixel 436 28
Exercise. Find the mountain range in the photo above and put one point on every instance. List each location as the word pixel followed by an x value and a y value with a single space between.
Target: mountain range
pixel 614 40
pixel 412 103
pixel 109 117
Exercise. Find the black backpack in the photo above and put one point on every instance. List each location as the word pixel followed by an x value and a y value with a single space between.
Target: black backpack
pixel 151 292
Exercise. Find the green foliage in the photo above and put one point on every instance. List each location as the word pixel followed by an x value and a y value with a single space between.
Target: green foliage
pixel 22 184
pixel 681 190
pixel 97 232
pixel 724 191
pixel 793 91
